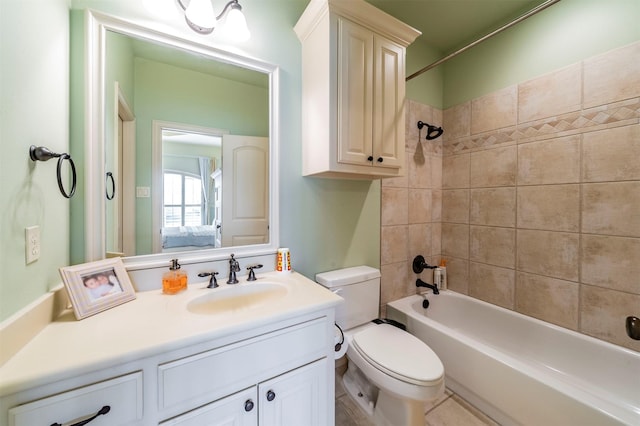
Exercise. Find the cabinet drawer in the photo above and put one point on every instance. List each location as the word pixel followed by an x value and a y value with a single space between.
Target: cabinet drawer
pixel 196 380
pixel 123 395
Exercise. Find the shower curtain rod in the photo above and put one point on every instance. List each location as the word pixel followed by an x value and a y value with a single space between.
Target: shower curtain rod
pixel 532 12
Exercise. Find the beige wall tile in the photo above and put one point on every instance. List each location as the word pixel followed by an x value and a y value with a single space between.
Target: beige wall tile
pixel 457 121
pixel 558 92
pixel 457 274
pixel 553 254
pixel 549 299
pixel 394 206
pixel 611 208
pixel 419 205
pixel 550 207
pixel 393 244
pixel 436 171
pixel 612 76
pixel 493 206
pixel 419 172
pixel 495 246
pixel 395 283
pixel 419 240
pixel 612 262
pixel 455 171
pixel 492 284
pixel 495 110
pixel 455 240
pixel 400 181
pixel 552 161
pixel 493 167
pixel 436 205
pixel 455 205
pixel 611 154
pixel 436 238
pixel 416 112
pixel 603 313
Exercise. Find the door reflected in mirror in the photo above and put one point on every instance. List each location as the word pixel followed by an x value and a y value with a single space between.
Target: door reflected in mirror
pixel 176 188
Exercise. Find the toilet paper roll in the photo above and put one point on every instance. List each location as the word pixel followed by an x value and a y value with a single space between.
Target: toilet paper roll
pixel 338 338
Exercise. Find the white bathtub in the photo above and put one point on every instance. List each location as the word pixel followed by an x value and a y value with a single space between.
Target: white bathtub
pixel 520 370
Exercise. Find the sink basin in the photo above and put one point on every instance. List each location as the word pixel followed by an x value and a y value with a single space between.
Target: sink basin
pixel 237 297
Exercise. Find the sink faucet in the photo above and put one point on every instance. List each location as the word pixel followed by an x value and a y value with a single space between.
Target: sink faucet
pixel 234 267
pixel 420 283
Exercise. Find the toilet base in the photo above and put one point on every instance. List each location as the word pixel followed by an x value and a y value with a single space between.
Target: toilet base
pixel 383 408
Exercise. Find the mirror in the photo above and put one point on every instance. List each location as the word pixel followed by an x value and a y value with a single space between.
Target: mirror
pixel 185 137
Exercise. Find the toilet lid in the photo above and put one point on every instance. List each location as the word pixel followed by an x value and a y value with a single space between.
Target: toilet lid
pixel 399 354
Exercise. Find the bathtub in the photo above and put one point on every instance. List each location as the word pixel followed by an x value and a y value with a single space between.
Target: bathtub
pixel 519 370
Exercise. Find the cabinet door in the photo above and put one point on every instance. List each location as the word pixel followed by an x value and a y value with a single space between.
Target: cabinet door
pixel 296 398
pixel 240 409
pixel 355 93
pixel 388 109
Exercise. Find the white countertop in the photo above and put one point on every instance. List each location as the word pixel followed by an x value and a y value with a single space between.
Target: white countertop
pixel 151 324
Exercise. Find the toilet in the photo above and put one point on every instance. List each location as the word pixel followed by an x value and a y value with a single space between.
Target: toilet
pixel 391 374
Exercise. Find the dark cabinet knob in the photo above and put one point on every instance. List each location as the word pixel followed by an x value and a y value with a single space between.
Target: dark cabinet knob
pixel 248 405
pixel 370 158
pixel 271 395
pixel 380 159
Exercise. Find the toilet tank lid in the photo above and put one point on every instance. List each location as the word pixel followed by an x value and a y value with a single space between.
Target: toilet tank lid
pixel 347 276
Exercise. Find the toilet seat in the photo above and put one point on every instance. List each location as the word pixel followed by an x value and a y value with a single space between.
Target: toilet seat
pixel 399 354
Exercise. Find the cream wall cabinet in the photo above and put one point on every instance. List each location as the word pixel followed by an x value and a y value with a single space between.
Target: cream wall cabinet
pixel 353 90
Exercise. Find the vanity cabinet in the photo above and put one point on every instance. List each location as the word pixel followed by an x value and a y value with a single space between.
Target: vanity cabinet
pixel 122 397
pixel 275 374
pixel 294 398
pixel 353 90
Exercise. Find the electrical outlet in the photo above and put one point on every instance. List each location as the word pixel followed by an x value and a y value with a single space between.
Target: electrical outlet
pixel 32 243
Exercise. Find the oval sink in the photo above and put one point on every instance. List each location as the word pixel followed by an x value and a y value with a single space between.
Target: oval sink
pixel 237 297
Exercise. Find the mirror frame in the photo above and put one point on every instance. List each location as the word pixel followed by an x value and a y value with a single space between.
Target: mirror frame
pixel 96 26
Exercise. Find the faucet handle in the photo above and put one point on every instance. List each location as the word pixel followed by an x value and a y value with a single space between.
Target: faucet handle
pixel 213 282
pixel 252 274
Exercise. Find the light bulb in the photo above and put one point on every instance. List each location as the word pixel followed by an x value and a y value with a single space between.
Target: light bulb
pixel 200 13
pixel 235 25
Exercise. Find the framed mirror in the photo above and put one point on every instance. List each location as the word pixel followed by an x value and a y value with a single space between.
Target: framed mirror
pixel 181 148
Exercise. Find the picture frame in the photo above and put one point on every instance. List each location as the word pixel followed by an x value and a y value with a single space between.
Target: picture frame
pixel 97 286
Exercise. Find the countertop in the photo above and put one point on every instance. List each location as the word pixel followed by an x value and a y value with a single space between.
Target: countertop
pixel 151 324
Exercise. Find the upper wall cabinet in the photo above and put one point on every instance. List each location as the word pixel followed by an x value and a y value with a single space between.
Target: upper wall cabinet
pixel 353 90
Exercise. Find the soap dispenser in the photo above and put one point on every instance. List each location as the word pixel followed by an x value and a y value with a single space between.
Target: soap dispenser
pixel 174 280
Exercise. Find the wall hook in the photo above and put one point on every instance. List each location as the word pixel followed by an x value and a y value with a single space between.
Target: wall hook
pixel 433 132
pixel 41 153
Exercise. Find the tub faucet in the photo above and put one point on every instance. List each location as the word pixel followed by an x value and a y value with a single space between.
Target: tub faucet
pixel 234 267
pixel 420 283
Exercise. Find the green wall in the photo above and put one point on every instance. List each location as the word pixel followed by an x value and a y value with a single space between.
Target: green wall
pixel 560 35
pixel 34 110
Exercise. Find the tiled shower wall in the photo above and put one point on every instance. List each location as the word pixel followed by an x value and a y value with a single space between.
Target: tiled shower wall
pixel 532 195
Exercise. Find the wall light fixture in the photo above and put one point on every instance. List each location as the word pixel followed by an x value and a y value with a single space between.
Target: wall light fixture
pixel 201 18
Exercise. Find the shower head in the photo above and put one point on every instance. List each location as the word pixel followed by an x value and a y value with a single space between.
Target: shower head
pixel 433 132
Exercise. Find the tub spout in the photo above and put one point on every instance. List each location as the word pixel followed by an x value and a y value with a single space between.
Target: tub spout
pixel 420 283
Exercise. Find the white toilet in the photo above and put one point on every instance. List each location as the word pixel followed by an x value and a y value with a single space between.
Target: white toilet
pixel 391 373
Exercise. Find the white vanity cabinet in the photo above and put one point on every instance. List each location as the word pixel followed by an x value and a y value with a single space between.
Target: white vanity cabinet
pixel 118 399
pixel 295 398
pixel 275 374
pixel 353 94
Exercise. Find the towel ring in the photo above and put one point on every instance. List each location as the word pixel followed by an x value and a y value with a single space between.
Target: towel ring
pixel 113 186
pixel 42 153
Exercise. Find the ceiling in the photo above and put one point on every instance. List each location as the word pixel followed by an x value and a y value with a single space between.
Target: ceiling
pixel 448 25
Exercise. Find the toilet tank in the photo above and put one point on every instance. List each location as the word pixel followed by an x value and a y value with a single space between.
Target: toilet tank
pixel 359 286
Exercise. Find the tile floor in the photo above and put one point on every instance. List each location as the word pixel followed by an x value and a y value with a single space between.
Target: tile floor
pixel 449 410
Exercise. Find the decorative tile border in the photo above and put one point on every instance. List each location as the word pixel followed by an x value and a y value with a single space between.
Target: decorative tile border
pixel 616 114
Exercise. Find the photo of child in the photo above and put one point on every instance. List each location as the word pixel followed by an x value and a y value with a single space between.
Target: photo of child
pixel 101 284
